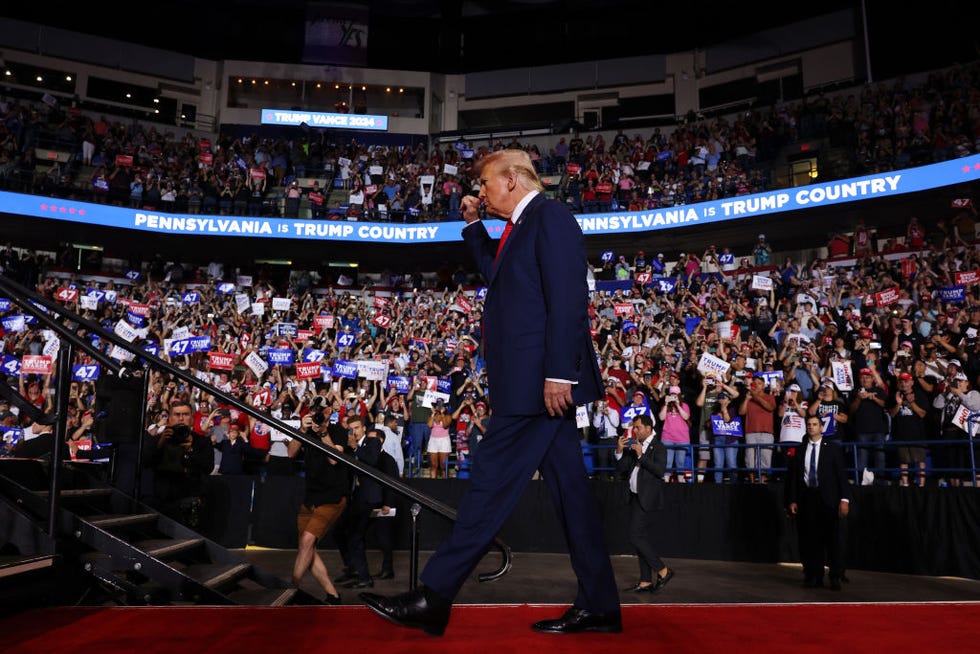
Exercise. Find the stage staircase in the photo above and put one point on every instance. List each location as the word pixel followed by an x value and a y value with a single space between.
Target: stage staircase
pixel 138 556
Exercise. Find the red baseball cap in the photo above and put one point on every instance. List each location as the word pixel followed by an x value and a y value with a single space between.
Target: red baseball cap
pixel 905 376
pixel 866 371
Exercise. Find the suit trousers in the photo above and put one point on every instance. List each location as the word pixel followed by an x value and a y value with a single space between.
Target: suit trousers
pixel 641 527
pixel 351 536
pixel 821 535
pixel 512 450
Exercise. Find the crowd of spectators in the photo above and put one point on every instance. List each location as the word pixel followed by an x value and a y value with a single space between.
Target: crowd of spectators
pixel 885 126
pixel 882 343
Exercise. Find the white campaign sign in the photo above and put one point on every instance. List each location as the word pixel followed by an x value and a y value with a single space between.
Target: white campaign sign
pixel 712 365
pixel 761 283
pixel 256 363
pixel 242 302
pixel 842 375
pixel 280 304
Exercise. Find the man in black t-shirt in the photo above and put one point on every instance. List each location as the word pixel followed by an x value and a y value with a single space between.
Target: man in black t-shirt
pixel 908 407
pixel 324 500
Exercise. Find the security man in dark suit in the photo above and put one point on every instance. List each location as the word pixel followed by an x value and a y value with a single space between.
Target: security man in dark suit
pixel 384 521
pixel 366 496
pixel 641 459
pixel 818 496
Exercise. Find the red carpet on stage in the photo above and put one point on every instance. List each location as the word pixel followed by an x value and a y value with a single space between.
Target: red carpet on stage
pixel 796 628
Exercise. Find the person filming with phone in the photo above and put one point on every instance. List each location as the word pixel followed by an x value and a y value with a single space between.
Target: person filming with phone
pixel 641 459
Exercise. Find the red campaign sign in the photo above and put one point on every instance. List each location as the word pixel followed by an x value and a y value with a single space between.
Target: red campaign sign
pixel 303 335
pixel 256 173
pixel 315 198
pixel 220 360
pixel 967 278
pixel 643 277
pixel 962 203
pixel 382 320
pixel 573 169
pixel 203 145
pixel 244 340
pixel 35 364
pixel 66 294
pixel 140 309
pixel 124 160
pixel 262 398
pixel 604 187
pixel 308 370
pixel 885 298
pixel 464 304
pixel 380 302
pixel 371 189
pixel 322 322
pixel 623 308
pixel 206 158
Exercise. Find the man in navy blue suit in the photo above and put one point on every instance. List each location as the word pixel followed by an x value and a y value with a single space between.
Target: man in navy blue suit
pixel 541 363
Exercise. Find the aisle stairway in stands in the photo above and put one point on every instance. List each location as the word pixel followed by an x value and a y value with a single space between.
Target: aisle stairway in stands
pixel 130 553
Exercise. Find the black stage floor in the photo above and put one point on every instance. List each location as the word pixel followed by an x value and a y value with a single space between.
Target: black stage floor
pixel 548 579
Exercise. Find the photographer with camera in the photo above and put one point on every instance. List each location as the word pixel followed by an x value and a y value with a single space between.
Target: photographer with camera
pixel 181 461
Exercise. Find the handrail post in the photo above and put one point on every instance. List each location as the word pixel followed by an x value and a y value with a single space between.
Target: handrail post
pixel 65 354
pixel 413 548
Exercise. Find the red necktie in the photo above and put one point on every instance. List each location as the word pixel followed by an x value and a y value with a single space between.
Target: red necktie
pixel 503 237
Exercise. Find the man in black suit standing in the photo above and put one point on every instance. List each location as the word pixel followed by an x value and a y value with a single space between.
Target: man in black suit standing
pixel 642 460
pixel 818 495
pixel 366 497
pixel 383 517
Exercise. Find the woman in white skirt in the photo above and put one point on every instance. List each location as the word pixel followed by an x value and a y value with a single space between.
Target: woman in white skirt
pixel 440 444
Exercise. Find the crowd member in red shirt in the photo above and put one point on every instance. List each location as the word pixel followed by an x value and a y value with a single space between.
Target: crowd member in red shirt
pixel 758 407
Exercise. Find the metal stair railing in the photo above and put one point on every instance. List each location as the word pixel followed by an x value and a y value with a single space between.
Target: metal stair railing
pixel 54 316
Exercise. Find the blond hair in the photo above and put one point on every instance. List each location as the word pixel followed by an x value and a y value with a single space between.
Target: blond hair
pixel 517 162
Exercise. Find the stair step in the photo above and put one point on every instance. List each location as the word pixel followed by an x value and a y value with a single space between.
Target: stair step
pixel 79 492
pixel 216 575
pixel 161 547
pixel 121 520
pixel 263 596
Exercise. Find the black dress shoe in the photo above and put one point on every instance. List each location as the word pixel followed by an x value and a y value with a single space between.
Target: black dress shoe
pixel 638 588
pixel 578 620
pixel 358 583
pixel 662 581
pixel 333 600
pixel 384 574
pixel 420 609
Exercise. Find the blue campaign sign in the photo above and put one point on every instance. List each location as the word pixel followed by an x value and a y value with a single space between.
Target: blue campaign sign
pixel 443 384
pixel 721 428
pixel 345 339
pixel 666 285
pixel 135 319
pixel 85 371
pixel 400 384
pixel 226 288
pixel 287 329
pixel 629 325
pixel 199 344
pixel 607 256
pixel 691 323
pixel 14 323
pixel 481 292
pixel 152 348
pixel 4 304
pixel 627 413
pixel 280 356
pixel 727 259
pixel 10 365
pixel 96 293
pixel 133 275
pixel 951 294
pixel 345 369
pixel 110 296
pixel 191 297
pixel 769 375
pixel 310 355
pixel 370 122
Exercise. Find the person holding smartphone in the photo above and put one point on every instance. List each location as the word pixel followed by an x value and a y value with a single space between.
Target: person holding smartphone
pixel 641 460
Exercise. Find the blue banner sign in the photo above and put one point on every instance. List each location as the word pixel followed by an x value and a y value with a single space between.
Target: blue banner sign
pixel 324 119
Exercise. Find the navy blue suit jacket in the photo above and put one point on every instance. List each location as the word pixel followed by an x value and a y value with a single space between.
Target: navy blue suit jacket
pixel 535 314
